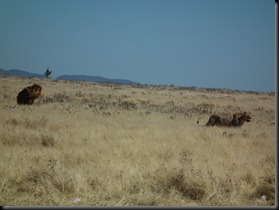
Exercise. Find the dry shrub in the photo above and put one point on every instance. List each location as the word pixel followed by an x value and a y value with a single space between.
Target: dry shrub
pixel 249 179
pixel 185 179
pixel 28 123
pixel 47 140
pixel 22 131
pixel 266 186
pixel 79 94
pixel 34 179
pixel 265 189
pixel 177 180
pixel 13 122
pixel 190 189
pixel 16 139
pixel 49 175
pixel 64 185
pixel 225 187
pixel 10 139
pixel 127 104
pixel 56 98
pixel 34 124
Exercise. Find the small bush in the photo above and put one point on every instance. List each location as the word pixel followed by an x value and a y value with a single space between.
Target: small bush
pixel 47 140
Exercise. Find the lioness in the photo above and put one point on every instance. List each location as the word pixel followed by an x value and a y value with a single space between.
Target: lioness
pixel 238 120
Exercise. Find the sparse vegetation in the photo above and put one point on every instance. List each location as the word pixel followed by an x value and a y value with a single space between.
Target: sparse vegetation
pixel 88 144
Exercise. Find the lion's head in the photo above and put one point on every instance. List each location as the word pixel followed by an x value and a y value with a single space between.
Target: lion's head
pixel 35 91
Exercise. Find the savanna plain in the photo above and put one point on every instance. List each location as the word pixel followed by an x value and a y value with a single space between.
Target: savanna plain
pixel 89 144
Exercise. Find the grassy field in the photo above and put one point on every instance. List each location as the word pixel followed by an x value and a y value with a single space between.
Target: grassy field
pixel 88 144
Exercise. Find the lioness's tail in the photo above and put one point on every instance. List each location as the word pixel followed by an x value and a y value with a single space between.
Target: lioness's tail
pixel 198 122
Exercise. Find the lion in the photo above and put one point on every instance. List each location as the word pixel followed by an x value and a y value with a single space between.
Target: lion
pixel 29 94
pixel 238 120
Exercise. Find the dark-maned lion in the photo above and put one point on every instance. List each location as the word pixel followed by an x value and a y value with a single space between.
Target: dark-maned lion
pixel 238 120
pixel 29 94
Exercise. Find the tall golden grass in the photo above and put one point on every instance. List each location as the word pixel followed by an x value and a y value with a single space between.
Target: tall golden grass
pixel 88 144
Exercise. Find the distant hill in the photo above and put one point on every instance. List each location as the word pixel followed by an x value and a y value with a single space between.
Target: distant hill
pixel 85 78
pixel 20 73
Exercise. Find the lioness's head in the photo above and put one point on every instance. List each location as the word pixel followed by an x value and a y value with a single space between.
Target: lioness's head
pixel 246 117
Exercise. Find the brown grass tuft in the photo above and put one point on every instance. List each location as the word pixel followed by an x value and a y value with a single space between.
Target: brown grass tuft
pixel 47 140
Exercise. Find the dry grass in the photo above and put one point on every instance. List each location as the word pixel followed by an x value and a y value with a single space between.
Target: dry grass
pixel 87 144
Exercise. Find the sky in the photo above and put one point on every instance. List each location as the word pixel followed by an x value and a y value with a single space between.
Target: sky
pixel 227 44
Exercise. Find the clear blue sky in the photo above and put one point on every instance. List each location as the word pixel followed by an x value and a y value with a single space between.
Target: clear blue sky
pixel 203 43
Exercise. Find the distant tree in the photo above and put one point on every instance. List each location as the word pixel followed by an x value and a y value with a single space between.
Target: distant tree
pixel 47 73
